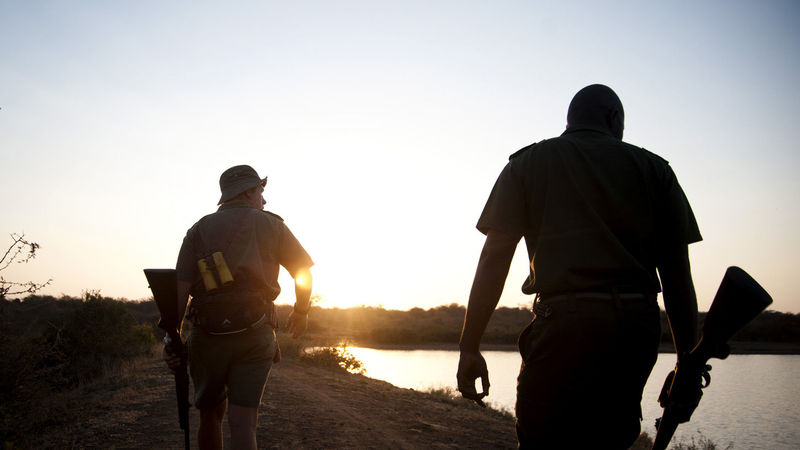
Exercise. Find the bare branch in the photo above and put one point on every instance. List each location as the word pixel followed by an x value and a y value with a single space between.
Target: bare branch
pixel 28 287
pixel 12 255
pixel 17 247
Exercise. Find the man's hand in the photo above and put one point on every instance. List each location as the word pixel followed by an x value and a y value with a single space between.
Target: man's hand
pixel 683 400
pixel 685 387
pixel 297 324
pixel 173 361
pixel 471 365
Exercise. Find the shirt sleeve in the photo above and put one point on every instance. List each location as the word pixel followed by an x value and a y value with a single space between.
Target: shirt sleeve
pixel 291 254
pixel 187 265
pixel 505 209
pixel 675 217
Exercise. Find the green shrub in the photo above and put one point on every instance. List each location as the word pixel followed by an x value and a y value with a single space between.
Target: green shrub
pixel 97 336
pixel 88 338
pixel 337 358
pixel 56 344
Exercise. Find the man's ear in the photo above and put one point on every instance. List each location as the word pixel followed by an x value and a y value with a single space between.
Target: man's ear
pixel 616 123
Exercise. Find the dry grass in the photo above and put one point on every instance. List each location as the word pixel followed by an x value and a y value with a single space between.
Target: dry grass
pixel 24 427
pixel 699 443
pixel 645 442
pixel 449 395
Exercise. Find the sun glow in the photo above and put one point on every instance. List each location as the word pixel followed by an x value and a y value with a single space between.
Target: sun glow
pixel 380 166
pixel 303 278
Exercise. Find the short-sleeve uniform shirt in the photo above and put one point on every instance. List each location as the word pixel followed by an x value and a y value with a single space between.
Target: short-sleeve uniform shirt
pixel 255 244
pixel 595 212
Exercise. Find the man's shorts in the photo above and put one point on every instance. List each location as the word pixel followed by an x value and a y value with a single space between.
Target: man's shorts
pixel 235 366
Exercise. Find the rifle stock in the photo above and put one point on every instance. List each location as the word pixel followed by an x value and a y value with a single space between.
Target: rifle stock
pixel 738 300
pixel 163 283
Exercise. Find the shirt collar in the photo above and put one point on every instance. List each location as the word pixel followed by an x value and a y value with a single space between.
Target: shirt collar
pixel 234 204
pixel 596 129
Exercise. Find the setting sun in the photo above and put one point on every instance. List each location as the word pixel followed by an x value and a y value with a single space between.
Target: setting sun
pixel 302 279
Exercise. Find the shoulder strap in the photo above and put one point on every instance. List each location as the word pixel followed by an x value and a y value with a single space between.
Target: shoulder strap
pixel 230 234
pixel 270 213
pixel 520 151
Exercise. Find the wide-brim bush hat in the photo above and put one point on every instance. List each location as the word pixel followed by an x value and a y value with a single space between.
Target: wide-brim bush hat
pixel 238 179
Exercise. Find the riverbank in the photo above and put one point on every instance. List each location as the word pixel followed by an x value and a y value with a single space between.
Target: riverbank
pixel 737 348
pixel 304 407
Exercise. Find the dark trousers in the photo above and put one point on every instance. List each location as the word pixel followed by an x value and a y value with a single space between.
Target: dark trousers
pixel 585 362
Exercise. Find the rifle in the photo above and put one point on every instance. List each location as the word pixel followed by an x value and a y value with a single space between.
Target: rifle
pixel 163 283
pixel 739 300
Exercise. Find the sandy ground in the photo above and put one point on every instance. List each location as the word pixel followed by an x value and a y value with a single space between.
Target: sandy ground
pixel 303 407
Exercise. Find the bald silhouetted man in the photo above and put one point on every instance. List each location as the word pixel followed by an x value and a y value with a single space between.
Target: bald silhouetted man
pixel 602 220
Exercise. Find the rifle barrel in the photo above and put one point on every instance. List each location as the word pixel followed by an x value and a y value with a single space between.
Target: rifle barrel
pixel 666 429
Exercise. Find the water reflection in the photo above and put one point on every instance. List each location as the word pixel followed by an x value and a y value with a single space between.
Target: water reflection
pixel 752 401
pixel 424 369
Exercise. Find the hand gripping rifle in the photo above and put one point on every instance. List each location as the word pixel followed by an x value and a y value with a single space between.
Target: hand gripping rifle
pixel 739 299
pixel 163 283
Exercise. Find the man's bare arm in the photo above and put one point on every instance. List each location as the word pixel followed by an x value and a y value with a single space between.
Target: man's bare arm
pixel 490 277
pixel 680 300
pixel 302 289
pixel 298 318
pixel 498 250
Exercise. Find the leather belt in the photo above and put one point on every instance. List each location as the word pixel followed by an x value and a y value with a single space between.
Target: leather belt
pixel 600 295
pixel 542 309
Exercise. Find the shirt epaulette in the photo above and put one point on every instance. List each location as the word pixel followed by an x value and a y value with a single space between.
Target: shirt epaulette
pixel 273 215
pixel 657 157
pixel 520 151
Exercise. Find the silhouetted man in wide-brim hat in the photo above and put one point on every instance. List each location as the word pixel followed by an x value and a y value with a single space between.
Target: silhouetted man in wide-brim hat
pixel 229 264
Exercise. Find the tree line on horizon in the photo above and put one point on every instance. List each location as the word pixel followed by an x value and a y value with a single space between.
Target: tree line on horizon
pixel 371 325
pixel 442 325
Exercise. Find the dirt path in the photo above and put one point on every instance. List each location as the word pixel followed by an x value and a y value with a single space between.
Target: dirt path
pixel 303 407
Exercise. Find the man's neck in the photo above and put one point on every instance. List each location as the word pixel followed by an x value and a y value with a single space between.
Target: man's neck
pixel 236 203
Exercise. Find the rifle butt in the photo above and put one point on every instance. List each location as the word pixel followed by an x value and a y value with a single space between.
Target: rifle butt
pixel 739 299
pixel 164 285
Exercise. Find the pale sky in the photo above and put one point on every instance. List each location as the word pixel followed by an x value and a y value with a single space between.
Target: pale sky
pixel 382 127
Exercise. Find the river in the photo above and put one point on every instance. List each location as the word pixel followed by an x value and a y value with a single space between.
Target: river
pixel 752 402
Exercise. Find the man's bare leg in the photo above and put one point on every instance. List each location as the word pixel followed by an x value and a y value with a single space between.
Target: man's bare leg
pixel 209 435
pixel 243 423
